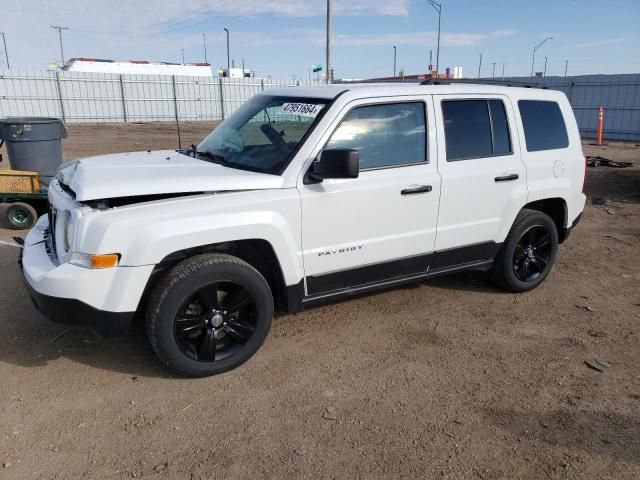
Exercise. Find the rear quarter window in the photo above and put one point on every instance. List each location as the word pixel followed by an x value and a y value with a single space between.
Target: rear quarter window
pixel 544 127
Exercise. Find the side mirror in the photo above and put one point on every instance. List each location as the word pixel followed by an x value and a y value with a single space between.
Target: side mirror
pixel 336 163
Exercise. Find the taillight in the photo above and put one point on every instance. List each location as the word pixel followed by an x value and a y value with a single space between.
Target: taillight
pixel 584 179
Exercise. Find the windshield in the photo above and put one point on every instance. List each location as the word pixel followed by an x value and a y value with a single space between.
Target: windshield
pixel 263 134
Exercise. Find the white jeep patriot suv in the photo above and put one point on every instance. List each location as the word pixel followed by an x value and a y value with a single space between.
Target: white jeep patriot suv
pixel 304 195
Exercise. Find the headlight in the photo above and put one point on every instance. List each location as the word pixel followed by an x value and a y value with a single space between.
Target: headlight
pixel 87 260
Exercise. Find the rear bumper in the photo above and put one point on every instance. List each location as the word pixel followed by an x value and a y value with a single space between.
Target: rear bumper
pixel 568 231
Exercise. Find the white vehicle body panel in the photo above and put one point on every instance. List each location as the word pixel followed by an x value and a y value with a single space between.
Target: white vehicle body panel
pixel 473 206
pixel 178 224
pixel 154 173
pixel 348 223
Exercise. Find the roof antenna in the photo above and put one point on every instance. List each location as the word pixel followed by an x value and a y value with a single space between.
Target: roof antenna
pixel 179 139
pixel 175 109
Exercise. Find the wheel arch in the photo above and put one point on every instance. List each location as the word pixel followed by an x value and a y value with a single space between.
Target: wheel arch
pixel 258 253
pixel 556 208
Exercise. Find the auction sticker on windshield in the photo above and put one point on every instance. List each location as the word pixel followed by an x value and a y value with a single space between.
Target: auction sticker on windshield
pixel 304 109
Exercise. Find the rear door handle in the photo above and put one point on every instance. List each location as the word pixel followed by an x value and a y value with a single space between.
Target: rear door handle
pixel 415 190
pixel 507 178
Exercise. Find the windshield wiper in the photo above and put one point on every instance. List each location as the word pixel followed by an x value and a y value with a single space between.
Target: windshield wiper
pixel 219 159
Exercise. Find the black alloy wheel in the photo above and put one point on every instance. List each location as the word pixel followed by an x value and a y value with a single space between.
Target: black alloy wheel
pixel 215 322
pixel 532 254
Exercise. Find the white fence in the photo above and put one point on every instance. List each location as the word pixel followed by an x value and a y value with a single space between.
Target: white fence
pixel 95 97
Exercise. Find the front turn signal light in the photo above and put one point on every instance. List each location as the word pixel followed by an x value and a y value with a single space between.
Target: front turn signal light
pixel 86 260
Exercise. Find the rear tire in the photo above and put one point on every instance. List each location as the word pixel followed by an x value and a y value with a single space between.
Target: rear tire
pixel 21 216
pixel 527 255
pixel 209 314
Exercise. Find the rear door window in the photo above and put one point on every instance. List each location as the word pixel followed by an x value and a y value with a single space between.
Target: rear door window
pixel 544 127
pixel 500 128
pixel 475 129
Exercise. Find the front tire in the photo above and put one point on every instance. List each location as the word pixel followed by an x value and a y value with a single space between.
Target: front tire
pixel 528 253
pixel 209 314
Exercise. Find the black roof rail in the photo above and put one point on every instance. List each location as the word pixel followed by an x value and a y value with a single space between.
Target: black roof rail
pixel 506 83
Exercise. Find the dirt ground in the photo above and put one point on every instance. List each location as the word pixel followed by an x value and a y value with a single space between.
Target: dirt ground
pixel 451 378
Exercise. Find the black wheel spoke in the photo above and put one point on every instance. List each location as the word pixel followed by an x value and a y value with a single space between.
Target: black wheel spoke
pixel 524 271
pixel 189 323
pixel 207 351
pixel 542 241
pixel 540 262
pixel 208 296
pixel 236 300
pixel 240 330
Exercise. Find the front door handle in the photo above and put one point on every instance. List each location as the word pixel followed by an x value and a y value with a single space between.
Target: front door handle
pixel 507 178
pixel 415 190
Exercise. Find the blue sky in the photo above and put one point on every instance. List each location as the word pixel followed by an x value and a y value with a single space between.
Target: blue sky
pixel 283 38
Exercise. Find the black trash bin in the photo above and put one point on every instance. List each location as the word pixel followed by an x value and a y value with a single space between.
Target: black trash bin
pixel 34 144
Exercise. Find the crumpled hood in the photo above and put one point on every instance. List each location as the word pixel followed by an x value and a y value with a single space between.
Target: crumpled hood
pixel 153 173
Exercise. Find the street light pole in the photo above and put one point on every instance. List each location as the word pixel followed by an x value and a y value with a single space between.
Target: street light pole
pixel 182 50
pixel 6 54
pixel 493 75
pixel 479 65
pixel 329 73
pixel 544 74
pixel 533 57
pixel 228 65
pixel 503 71
pixel 204 44
pixel 56 27
pixel 438 8
pixel 394 62
pixel 566 66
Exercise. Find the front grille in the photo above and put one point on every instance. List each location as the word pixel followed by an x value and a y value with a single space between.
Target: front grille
pixel 50 234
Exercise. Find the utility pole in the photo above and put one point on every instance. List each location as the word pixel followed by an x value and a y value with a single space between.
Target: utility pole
pixel 228 66
pixel 57 27
pixel 493 75
pixel 329 74
pixel 479 65
pixel 394 62
pixel 544 74
pixel 204 44
pixel 566 66
pixel 182 50
pixel 438 8
pixel 6 54
pixel 533 57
